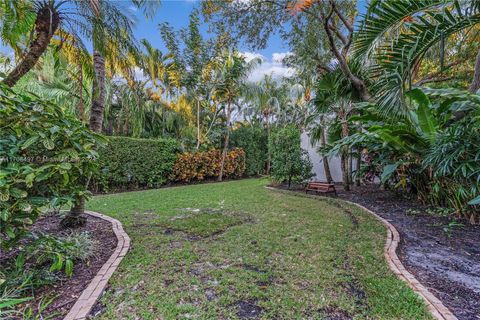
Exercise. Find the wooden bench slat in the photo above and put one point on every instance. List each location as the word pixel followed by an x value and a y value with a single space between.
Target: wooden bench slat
pixel 323 187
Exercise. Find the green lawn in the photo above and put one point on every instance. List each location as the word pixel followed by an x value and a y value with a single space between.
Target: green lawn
pixel 224 250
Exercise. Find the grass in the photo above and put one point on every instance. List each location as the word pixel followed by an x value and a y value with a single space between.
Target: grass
pixel 235 249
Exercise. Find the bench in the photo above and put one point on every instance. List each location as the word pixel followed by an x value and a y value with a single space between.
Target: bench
pixel 321 187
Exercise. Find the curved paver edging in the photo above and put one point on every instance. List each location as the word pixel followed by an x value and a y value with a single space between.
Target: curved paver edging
pixel 89 296
pixel 434 305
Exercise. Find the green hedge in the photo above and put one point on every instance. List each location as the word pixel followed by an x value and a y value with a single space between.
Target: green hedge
pixel 129 163
pixel 253 140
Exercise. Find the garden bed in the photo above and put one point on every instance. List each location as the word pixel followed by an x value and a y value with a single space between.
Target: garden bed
pixel 66 290
pixel 444 256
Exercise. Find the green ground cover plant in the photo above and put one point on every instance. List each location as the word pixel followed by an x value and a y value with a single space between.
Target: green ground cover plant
pixel 216 250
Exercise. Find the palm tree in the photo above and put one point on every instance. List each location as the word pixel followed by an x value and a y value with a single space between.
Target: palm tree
pixel 230 79
pixel 397 35
pixel 47 21
pixel 334 99
pixel 265 97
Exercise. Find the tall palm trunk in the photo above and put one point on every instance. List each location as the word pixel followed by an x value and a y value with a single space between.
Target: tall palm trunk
pixel 269 154
pixel 74 217
pixel 46 24
pixel 344 167
pixel 326 165
pixel 226 141
pixel 358 164
pixel 344 157
pixel 98 92
pixel 81 105
pixel 350 167
pixel 475 85
pixel 198 124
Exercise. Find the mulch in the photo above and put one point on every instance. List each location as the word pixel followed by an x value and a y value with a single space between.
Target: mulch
pixel 66 290
pixel 444 259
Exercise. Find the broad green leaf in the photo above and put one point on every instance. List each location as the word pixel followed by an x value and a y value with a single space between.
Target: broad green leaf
pixel 426 120
pixel 388 170
pixel 29 142
pixel 18 193
pixel 49 144
pixel 69 267
pixel 475 201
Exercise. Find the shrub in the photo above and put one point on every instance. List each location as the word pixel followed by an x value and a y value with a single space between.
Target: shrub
pixel 128 163
pixel 45 155
pixel 289 162
pixel 253 140
pixel 205 165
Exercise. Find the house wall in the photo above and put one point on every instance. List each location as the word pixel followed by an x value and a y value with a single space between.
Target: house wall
pixel 317 162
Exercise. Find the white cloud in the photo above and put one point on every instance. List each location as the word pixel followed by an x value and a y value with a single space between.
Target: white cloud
pixel 249 56
pixel 279 56
pixel 273 66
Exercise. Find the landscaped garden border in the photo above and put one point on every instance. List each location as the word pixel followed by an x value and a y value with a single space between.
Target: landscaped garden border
pixel 92 292
pixel 434 305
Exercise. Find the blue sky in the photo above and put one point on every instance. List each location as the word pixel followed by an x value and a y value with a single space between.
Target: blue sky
pixel 176 13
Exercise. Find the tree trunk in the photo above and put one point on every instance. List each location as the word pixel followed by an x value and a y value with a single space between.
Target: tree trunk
pixel 75 218
pixel 345 133
pixel 358 164
pixel 475 85
pixel 98 93
pixel 269 155
pixel 344 160
pixel 198 124
pixel 326 165
pixel 81 106
pixel 46 24
pixel 350 168
pixel 225 144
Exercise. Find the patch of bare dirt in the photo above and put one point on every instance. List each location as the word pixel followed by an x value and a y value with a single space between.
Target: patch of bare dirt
pixel 445 260
pixel 248 309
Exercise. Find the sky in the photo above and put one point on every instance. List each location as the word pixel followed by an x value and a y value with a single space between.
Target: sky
pixel 176 13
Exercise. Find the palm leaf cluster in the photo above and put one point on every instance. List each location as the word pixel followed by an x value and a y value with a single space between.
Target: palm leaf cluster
pixel 395 35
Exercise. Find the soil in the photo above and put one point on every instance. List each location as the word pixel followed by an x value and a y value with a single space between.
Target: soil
pixel 444 257
pixel 67 289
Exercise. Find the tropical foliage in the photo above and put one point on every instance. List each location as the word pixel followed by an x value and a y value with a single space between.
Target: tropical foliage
pixel 45 153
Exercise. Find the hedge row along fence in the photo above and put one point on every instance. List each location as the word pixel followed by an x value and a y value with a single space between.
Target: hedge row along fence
pixel 129 163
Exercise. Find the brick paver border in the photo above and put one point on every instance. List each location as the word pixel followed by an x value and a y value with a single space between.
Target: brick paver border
pixel 434 305
pixel 92 292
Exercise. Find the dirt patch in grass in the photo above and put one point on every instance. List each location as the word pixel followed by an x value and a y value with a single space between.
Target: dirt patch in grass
pixel 248 309
pixel 334 313
pixel 66 290
pixel 196 224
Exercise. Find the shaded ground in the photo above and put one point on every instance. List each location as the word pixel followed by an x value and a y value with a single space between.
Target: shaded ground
pixel 66 290
pixel 445 257
pixel 441 251
pixel 236 250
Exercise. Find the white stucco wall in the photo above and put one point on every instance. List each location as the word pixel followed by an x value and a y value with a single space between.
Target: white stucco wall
pixel 317 162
